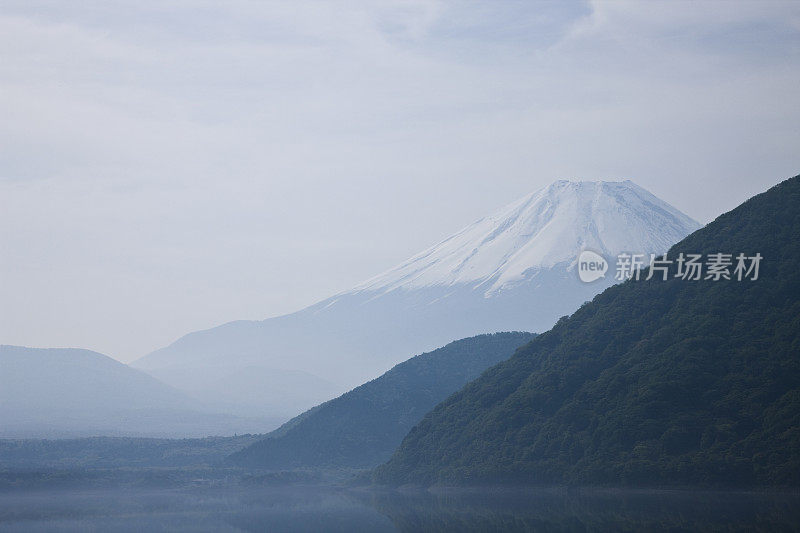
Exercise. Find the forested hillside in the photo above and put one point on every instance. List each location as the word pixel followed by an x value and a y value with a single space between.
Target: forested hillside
pixel 652 383
pixel 364 426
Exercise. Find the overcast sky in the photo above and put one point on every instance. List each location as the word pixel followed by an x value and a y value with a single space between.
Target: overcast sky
pixel 169 166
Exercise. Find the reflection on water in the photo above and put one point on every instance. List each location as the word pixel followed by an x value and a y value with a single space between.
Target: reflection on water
pixel 593 510
pixel 325 509
pixel 189 509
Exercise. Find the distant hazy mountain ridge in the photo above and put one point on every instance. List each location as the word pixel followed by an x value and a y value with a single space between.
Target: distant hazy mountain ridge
pixel 60 392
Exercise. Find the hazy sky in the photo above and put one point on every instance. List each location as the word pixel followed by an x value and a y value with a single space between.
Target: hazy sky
pixel 169 166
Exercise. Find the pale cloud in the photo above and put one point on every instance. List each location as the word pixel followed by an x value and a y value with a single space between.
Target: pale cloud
pixel 168 166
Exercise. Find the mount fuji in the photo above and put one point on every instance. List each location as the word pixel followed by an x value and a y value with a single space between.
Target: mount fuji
pixel 512 270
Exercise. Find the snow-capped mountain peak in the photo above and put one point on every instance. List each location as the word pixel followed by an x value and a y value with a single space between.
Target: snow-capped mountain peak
pixel 506 272
pixel 542 230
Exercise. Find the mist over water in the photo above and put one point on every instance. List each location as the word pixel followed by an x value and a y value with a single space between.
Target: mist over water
pixel 241 508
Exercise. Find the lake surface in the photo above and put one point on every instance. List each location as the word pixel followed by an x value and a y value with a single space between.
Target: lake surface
pixel 326 509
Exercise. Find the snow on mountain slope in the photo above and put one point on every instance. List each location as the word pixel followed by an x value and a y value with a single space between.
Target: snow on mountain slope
pixel 513 270
pixel 541 230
